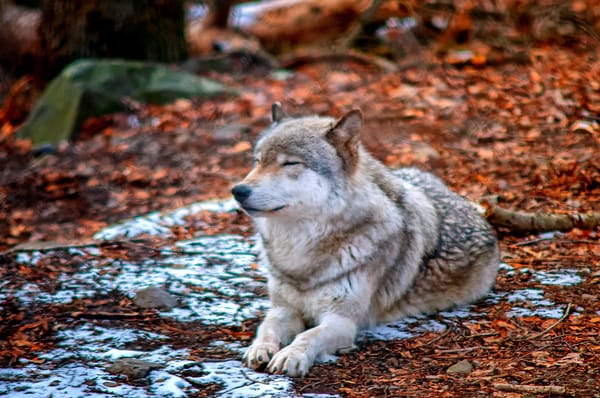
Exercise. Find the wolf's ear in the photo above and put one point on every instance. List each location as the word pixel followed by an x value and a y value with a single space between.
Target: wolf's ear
pixel 277 112
pixel 345 137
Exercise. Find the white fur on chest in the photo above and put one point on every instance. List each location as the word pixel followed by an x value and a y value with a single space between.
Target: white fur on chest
pixel 340 277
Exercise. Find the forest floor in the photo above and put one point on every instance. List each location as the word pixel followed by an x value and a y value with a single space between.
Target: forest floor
pixel 522 135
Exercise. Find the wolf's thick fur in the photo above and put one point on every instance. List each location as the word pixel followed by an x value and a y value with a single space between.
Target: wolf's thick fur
pixel 349 243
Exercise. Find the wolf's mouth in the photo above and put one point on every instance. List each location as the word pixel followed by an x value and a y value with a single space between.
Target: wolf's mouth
pixel 254 210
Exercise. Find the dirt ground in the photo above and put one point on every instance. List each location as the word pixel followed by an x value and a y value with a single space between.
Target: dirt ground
pixel 524 136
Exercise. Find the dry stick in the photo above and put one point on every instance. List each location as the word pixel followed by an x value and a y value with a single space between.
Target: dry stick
pixel 441 336
pixel 531 242
pixel 250 378
pixel 107 315
pixel 55 246
pixel 549 328
pixel 461 350
pixel 174 329
pixel 520 388
pixel 488 334
pixel 519 221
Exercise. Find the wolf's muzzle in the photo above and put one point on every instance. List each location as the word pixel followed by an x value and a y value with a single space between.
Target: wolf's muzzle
pixel 241 192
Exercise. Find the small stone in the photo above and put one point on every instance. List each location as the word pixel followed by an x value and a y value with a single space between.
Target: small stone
pixel 110 384
pixel 588 297
pixel 392 363
pixel 463 367
pixel 133 368
pixel 154 297
pixel 433 378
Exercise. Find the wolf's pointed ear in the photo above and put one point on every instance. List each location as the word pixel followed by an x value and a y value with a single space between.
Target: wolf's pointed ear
pixel 277 112
pixel 345 137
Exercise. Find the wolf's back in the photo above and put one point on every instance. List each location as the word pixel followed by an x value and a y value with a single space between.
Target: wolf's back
pixel 463 264
pixel 460 223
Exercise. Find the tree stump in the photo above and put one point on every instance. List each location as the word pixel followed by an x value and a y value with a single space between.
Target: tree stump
pixel 130 29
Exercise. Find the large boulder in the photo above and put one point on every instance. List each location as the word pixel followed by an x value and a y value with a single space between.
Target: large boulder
pixel 93 87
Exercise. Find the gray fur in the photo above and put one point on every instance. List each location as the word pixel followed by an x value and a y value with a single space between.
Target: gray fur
pixel 349 243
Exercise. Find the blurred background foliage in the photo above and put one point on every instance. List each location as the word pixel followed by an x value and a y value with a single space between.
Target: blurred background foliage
pixel 39 38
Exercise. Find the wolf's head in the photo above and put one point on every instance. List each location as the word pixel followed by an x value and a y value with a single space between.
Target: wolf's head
pixel 300 165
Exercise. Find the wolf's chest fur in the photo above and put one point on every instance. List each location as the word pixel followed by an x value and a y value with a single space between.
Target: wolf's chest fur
pixel 308 254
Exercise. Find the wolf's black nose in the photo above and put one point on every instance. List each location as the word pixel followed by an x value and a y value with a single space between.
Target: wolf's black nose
pixel 241 192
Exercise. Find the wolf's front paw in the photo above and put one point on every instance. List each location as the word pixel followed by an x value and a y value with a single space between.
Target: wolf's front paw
pixel 259 354
pixel 291 361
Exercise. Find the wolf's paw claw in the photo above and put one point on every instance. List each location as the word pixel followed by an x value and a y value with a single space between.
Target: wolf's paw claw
pixel 259 354
pixel 291 361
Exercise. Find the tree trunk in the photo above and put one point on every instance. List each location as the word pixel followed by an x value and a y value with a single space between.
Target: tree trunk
pixel 130 29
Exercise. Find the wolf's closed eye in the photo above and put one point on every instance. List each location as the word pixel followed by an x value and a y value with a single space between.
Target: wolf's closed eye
pixel 291 163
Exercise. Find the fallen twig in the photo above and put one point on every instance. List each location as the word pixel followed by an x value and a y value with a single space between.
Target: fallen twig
pixel 177 330
pixel 462 350
pixel 29 247
pixel 520 388
pixel 523 222
pixel 251 379
pixel 441 336
pixel 531 242
pixel 303 57
pixel 106 315
pixel 488 334
pixel 549 328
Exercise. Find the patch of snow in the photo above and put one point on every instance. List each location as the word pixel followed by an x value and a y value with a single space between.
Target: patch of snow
pixel 536 305
pixel 28 257
pixel 462 311
pixel 164 384
pixel 114 354
pixel 562 277
pixel 531 295
pixel 403 329
pixel 88 349
pixel 508 269
pixel 239 381
pixel 216 283
pixel 542 312
pixel 70 380
pixel 388 331
pixel 160 223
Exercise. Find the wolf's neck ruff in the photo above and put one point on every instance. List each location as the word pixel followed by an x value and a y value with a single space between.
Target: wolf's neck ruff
pixel 310 254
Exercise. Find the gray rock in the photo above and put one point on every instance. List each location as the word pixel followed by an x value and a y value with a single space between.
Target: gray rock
pixel 154 297
pixel 133 368
pixel 463 367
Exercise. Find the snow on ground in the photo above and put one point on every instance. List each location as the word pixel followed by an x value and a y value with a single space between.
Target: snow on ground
pixel 215 281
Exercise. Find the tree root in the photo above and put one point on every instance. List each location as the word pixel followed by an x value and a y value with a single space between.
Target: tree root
pixel 523 222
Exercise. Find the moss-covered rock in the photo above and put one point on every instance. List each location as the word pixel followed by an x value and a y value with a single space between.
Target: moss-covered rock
pixel 92 87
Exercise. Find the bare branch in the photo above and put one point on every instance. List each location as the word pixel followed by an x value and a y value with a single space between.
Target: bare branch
pixel 523 222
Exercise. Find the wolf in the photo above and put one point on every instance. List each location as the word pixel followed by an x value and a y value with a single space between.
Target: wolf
pixel 349 244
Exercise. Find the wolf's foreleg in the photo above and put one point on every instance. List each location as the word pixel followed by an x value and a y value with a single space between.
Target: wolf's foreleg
pixel 278 328
pixel 334 333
